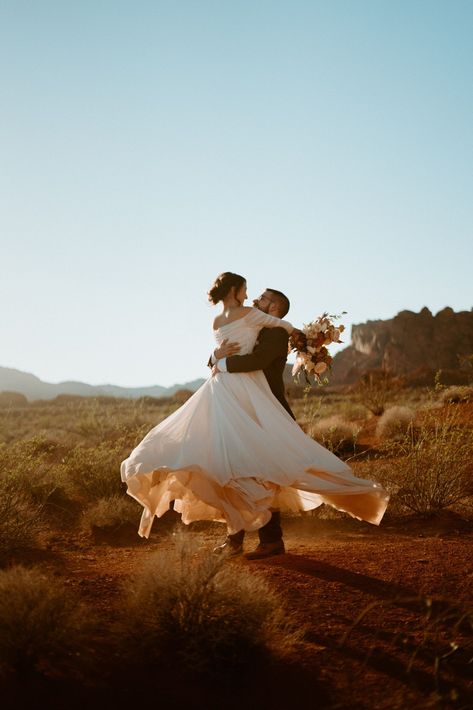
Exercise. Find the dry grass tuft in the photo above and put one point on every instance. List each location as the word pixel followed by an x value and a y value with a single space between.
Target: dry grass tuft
pixel 91 473
pixel 375 387
pixel 12 399
pixel 335 433
pixel 29 466
pixel 456 394
pixel 113 519
pixel 431 469
pixel 20 521
pixel 111 513
pixel 42 628
pixel 204 613
pixel 22 497
pixel 395 423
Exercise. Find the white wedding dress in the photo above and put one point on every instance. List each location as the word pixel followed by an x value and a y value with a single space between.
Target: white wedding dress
pixel 232 452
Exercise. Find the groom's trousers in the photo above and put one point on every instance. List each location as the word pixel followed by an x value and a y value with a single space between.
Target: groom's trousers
pixel 271 532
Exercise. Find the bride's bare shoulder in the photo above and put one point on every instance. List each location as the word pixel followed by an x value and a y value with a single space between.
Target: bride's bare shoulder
pixel 238 313
pixel 242 312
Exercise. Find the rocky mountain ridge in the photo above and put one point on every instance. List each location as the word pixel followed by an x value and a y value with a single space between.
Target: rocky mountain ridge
pixel 408 343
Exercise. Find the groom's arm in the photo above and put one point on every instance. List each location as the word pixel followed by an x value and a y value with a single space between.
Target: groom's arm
pixel 272 344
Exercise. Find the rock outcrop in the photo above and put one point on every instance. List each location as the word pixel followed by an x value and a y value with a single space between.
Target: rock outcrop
pixel 408 343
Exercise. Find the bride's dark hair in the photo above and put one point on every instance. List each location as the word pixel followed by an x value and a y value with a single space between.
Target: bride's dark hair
pixel 223 284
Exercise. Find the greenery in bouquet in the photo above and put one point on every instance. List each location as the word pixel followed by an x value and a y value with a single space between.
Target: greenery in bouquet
pixel 311 346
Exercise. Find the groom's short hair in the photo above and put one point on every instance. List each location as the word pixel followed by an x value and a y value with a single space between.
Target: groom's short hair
pixel 282 301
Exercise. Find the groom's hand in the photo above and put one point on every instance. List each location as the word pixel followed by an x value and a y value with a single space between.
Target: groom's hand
pixel 226 349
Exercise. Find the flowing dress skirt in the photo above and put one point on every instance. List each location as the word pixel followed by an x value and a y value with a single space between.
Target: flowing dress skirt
pixel 231 453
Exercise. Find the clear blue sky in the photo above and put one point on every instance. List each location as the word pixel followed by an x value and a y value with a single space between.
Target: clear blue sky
pixel 323 148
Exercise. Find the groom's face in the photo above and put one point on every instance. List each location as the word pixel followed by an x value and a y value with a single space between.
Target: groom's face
pixel 266 303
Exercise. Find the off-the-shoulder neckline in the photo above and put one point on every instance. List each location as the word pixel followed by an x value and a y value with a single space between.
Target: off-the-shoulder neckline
pixel 237 320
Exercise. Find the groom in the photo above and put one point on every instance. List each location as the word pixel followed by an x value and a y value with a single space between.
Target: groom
pixel 269 355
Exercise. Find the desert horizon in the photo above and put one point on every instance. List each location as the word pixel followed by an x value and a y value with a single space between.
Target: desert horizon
pixel 371 346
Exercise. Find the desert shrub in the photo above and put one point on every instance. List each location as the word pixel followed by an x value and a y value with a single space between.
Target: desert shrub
pixel 42 626
pixel 111 515
pixel 31 451
pixel 335 433
pixel 95 423
pixel 29 467
pixel 307 409
pixel 322 404
pixel 67 398
pixel 20 520
pixel 374 389
pixel 90 473
pixel 181 396
pixel 431 470
pixel 395 422
pixel 455 395
pixel 12 399
pixel 26 485
pixel 207 615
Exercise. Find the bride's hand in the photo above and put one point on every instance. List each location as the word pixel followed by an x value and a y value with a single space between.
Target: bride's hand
pixel 226 349
pixel 215 370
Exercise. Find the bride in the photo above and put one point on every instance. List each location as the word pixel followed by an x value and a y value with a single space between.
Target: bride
pixel 232 453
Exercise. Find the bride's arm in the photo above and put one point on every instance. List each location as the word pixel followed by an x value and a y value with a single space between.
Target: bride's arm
pixel 263 320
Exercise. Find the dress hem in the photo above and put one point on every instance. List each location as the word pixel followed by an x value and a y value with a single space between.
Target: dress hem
pixel 245 503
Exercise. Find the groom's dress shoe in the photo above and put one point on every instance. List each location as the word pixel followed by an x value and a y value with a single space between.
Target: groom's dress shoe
pixel 229 548
pixel 267 549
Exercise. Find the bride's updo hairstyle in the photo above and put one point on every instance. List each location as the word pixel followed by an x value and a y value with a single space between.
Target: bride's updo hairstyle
pixel 223 284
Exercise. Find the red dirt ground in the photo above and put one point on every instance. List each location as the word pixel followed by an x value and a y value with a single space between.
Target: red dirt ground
pixel 333 570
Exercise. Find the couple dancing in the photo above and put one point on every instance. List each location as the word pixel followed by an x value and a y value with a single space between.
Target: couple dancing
pixel 234 452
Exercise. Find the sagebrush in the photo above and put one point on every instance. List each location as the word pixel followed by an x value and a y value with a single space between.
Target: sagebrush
pixel 395 422
pixel 430 468
pixel 195 609
pixel 335 433
pixel 44 629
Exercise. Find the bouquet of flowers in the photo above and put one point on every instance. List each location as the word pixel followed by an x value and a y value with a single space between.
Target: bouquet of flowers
pixel 310 344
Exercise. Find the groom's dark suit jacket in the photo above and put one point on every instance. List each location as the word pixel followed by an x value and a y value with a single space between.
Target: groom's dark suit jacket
pixel 269 355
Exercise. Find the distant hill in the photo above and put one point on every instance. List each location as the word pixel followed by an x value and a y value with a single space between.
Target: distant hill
pixel 32 387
